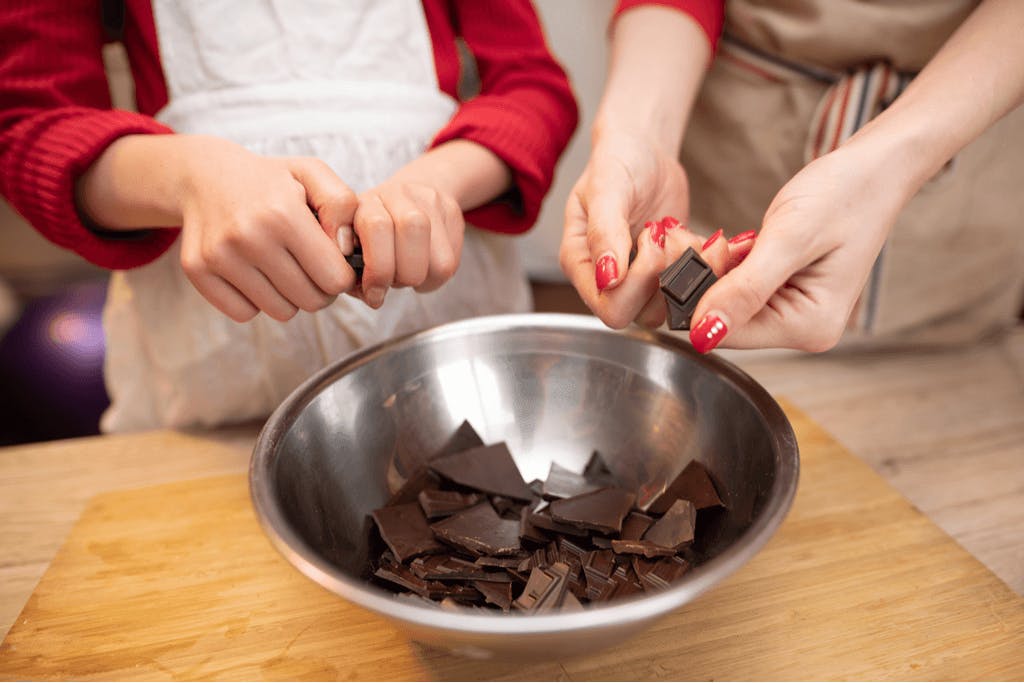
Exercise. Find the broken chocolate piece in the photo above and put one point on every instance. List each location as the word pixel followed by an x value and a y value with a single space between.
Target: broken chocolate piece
pixel 421 479
pixel 540 517
pixel 447 568
pixel 564 483
pixel 437 503
pixel 527 530
pixel 498 562
pixel 675 529
pixel 683 283
pixel 597 471
pixel 634 526
pixel 404 529
pixel 602 510
pixel 401 575
pixel 693 484
pixel 490 469
pixel 498 594
pixel 545 589
pixel 464 439
pixel 480 531
pixel 645 548
pixel 658 575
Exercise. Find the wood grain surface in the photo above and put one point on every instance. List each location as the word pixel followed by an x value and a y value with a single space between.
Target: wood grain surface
pixel 177 582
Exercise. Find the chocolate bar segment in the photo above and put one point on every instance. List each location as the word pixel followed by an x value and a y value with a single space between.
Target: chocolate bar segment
pixel 675 529
pixel 683 283
pixel 693 484
pixel 404 529
pixel 602 510
pixel 437 503
pixel 489 469
pixel 480 531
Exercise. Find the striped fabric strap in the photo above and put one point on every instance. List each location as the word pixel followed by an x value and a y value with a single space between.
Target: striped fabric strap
pixel 851 99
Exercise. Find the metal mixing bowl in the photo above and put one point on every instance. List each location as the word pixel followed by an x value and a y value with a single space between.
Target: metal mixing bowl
pixel 554 387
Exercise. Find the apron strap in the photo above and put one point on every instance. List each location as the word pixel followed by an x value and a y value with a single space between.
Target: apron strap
pixel 851 99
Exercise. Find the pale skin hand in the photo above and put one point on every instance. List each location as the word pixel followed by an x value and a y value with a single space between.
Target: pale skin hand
pixel 659 56
pixel 250 241
pixel 411 227
pixel 826 226
pixel 259 233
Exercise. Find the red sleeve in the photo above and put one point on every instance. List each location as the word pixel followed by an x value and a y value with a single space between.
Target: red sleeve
pixel 55 120
pixel 525 112
pixel 709 14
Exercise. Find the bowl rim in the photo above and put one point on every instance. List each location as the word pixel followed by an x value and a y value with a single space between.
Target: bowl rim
pixel 637 609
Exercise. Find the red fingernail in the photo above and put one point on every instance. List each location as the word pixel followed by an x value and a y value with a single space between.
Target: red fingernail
pixel 668 222
pixel 657 232
pixel 743 237
pixel 606 272
pixel 708 332
pixel 711 240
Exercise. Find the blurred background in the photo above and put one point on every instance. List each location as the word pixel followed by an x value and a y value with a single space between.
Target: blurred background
pixel 51 338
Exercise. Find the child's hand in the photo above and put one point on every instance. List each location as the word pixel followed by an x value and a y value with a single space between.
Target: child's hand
pixel 250 241
pixel 411 234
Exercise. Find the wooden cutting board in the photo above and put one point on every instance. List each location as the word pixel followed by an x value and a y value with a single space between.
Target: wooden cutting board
pixel 178 582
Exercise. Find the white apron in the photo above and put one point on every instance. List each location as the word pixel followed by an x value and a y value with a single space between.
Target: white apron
pixel 352 83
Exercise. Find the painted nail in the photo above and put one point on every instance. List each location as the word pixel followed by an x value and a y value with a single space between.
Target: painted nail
pixel 346 239
pixel 375 296
pixel 606 273
pixel 743 237
pixel 668 222
pixel 712 240
pixel 708 332
pixel 657 232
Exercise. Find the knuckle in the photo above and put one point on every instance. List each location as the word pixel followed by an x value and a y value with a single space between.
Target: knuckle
pixel 445 266
pixel 414 222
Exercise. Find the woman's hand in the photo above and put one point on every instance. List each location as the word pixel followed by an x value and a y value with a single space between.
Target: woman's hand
pixel 627 182
pixel 820 237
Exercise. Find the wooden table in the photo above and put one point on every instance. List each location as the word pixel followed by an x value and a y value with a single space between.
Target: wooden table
pixel 176 581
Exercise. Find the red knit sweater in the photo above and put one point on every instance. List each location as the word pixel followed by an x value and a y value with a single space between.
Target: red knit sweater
pixel 56 117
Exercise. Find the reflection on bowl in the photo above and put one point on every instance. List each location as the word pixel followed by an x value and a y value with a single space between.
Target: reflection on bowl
pixel 554 388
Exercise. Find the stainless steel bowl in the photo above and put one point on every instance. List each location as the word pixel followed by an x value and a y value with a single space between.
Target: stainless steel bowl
pixel 554 387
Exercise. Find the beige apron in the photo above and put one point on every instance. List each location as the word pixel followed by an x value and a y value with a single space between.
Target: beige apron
pixel 352 83
pixel 953 267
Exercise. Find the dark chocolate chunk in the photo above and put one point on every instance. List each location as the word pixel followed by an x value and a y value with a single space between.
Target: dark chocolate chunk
pixel 675 529
pixel 401 575
pixel 490 469
pixel 497 594
pixel 683 283
pixel 540 517
pixel 446 568
pixel 601 542
pixel 545 589
pixel 564 483
pixel 404 529
pixel 645 548
pixel 437 503
pixel 421 479
pixel 599 563
pixel 658 575
pixel 634 526
pixel 498 562
pixel 355 261
pixel 597 471
pixel 464 439
pixel 693 484
pixel 480 531
pixel 602 510
pixel 527 530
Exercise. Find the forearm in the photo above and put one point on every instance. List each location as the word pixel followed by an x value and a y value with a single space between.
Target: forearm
pixel 974 80
pixel 137 182
pixel 658 60
pixel 468 172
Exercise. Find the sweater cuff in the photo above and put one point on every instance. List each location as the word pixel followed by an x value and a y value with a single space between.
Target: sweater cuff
pixel 709 14
pixel 57 148
pixel 529 147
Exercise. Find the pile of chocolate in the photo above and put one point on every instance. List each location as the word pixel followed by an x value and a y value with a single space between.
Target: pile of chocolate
pixel 467 531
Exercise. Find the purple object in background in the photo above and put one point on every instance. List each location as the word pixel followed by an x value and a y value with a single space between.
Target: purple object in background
pixel 51 367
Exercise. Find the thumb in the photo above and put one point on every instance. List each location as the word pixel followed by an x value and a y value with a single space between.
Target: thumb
pixel 332 200
pixel 730 304
pixel 609 239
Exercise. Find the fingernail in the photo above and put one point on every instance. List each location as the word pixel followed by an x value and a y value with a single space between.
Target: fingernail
pixel 743 237
pixel 606 272
pixel 708 332
pixel 657 232
pixel 668 222
pixel 375 296
pixel 711 240
pixel 346 239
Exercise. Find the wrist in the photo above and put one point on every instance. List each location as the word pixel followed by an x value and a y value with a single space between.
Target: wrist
pixel 468 172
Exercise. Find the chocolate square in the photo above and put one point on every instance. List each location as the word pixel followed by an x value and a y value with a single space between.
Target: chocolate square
pixel 683 283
